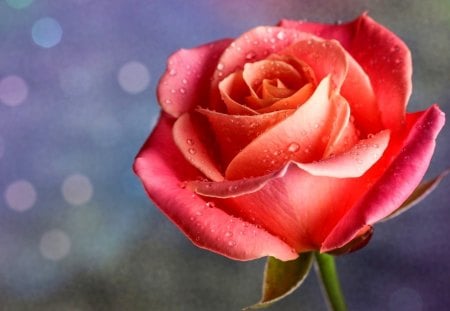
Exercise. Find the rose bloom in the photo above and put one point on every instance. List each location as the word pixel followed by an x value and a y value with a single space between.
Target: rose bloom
pixel 287 139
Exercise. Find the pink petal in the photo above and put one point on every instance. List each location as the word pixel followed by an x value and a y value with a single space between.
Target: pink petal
pixel 162 169
pixel 251 46
pixel 187 78
pixel 292 102
pixel 324 57
pixel 233 188
pixel 297 138
pixel 255 73
pixel 352 163
pixel 189 135
pixel 383 56
pixel 397 182
pixel 234 132
pixel 234 87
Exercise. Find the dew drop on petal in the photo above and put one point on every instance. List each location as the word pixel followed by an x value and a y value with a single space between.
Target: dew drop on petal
pixel 281 35
pixel 250 55
pixel 228 234
pixel 293 147
pixel 210 204
pixel 231 243
pixel 182 90
pixel 172 72
pixel 192 151
pixel 220 66
pixel 189 141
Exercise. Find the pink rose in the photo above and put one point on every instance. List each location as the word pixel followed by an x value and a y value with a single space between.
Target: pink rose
pixel 287 139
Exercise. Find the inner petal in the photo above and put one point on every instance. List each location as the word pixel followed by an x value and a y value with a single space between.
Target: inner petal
pixel 297 138
pixel 255 74
pixel 235 132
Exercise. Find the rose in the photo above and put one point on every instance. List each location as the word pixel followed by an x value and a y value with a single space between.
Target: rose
pixel 287 139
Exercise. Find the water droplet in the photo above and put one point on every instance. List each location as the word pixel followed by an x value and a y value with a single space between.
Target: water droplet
pixel 281 35
pixel 192 151
pixel 172 72
pixel 183 184
pixel 250 55
pixel 220 66
pixel 293 147
pixel 182 90
pixel 375 145
pixel 210 204
pixel 231 243
pixel 316 125
pixel 189 141
pixel 172 91
pixel 167 101
pixel 370 136
pixel 276 153
pixel 228 234
pixel 184 81
pixel 198 213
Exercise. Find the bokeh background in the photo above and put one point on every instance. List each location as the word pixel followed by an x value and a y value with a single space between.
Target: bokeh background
pixel 77 100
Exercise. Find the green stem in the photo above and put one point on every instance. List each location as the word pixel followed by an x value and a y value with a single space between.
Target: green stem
pixel 327 274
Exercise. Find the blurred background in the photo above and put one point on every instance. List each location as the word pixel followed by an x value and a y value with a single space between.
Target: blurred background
pixel 77 100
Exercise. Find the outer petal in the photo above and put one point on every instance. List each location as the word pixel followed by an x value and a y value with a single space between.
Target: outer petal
pixel 383 56
pixel 398 181
pixel 187 77
pixel 163 169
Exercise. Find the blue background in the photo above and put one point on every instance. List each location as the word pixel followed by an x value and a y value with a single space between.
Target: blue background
pixel 77 100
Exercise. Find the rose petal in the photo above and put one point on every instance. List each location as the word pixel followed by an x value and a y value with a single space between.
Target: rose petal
pixel 252 46
pixel 255 73
pixel 189 136
pixel 292 102
pixel 231 87
pixel 343 135
pixel 297 138
pixel 162 169
pixel 234 132
pixel 233 188
pixel 397 182
pixel 186 79
pixel 383 56
pixel 352 163
pixel 324 57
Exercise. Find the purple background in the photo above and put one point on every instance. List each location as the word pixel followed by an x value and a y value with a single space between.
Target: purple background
pixel 77 100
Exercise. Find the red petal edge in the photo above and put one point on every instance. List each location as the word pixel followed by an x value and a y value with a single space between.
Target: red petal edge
pixel 186 80
pixel 162 170
pixel 383 56
pixel 397 183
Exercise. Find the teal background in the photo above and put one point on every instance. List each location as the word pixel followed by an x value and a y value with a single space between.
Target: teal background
pixel 78 233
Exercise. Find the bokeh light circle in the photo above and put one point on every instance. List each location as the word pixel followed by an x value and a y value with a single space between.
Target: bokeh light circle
pixel 133 77
pixel 46 32
pixel 19 4
pixel 77 189
pixel 13 90
pixel 55 244
pixel 20 195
